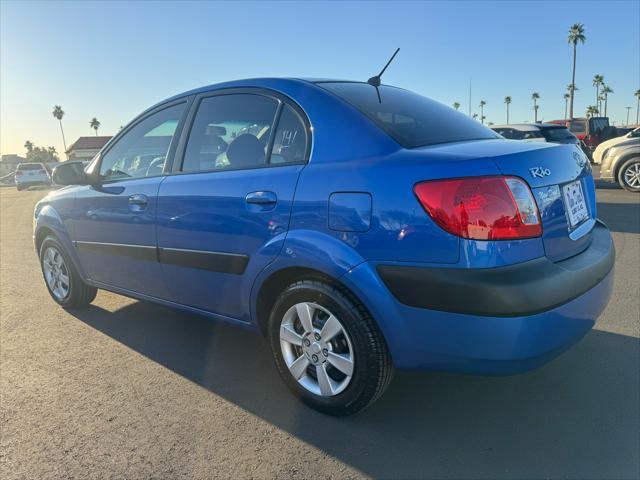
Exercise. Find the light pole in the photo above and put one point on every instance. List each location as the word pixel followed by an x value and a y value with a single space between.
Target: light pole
pixel 628 109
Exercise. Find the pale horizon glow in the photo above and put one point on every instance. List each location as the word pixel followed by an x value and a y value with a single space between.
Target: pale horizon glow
pixel 112 60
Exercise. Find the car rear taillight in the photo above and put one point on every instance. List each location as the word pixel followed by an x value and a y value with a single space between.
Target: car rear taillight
pixel 42 171
pixel 18 173
pixel 482 208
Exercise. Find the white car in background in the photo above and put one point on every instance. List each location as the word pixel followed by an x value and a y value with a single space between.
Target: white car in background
pixel 602 149
pixel 29 174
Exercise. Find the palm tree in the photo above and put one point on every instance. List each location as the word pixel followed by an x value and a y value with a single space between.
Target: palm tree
pixel 598 81
pixel 637 94
pixel 599 105
pixel 95 124
pixel 28 145
pixel 58 113
pixel 507 101
pixel 482 104
pixel 535 96
pixel 606 90
pixel 456 105
pixel 576 35
pixel 592 110
pixel 566 104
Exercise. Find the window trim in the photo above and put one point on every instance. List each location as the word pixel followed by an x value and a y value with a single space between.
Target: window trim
pixel 281 100
pixel 177 135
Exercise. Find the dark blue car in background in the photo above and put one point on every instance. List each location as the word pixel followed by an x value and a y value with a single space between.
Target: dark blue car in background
pixel 359 228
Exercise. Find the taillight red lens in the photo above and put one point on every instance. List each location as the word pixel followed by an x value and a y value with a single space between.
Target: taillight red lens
pixel 41 171
pixel 18 173
pixel 482 208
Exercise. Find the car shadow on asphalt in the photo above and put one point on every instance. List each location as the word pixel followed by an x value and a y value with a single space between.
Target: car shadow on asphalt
pixel 576 417
pixel 620 217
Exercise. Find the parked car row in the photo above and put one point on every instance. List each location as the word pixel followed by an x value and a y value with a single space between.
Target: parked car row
pixel 540 132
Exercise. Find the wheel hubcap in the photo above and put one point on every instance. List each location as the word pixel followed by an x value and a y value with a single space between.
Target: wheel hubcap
pixel 55 273
pixel 632 175
pixel 316 349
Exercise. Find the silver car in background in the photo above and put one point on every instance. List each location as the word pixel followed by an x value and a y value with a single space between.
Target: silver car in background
pixel 602 149
pixel 621 164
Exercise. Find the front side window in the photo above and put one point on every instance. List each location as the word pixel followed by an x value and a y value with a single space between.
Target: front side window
pixel 410 119
pixel 142 151
pixel 230 132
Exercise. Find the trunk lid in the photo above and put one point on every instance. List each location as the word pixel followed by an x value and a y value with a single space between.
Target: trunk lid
pixel 559 177
pixel 561 181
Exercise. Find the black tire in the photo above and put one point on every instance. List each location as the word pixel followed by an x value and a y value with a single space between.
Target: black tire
pixel 19 187
pixel 632 163
pixel 372 371
pixel 80 294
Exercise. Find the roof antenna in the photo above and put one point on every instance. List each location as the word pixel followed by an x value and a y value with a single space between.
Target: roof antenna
pixel 375 81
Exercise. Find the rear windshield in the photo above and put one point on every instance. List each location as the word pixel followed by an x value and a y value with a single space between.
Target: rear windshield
pixel 596 124
pixel 408 118
pixel 30 166
pixel 579 127
pixel 557 134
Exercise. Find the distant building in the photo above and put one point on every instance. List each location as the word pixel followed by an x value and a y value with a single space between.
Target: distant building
pixel 9 162
pixel 85 148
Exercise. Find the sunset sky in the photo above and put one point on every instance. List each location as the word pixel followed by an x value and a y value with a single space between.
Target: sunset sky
pixel 111 60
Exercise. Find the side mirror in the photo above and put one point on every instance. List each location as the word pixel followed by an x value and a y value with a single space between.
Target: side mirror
pixel 70 173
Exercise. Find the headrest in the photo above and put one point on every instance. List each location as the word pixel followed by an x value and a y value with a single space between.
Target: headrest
pixel 245 151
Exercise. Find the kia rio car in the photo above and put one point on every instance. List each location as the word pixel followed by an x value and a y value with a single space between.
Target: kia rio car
pixel 358 228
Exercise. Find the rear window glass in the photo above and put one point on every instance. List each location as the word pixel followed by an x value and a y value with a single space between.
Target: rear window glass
pixel 555 134
pixel 408 118
pixel 30 166
pixel 598 124
pixel 578 127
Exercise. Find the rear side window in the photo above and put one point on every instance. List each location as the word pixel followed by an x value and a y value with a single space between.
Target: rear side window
pixel 290 141
pixel 230 132
pixel 30 166
pixel 410 119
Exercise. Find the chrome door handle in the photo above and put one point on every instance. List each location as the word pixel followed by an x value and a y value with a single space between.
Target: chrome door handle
pixel 138 201
pixel 261 198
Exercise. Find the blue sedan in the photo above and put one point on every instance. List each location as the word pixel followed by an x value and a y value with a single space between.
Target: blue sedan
pixel 358 227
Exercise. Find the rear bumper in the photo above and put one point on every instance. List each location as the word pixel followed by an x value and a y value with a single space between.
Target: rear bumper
pixel 522 289
pixel 490 321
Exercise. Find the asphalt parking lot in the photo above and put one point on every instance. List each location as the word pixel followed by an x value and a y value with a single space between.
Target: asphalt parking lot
pixel 128 389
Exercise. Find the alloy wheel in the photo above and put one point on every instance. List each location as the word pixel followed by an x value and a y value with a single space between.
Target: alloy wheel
pixel 632 175
pixel 316 349
pixel 56 273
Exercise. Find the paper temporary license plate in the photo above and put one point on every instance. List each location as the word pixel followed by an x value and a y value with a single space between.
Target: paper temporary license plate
pixel 575 203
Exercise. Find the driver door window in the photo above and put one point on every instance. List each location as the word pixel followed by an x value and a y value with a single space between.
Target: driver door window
pixel 142 151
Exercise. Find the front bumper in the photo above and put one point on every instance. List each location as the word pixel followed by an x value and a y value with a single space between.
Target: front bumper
pixel 488 321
